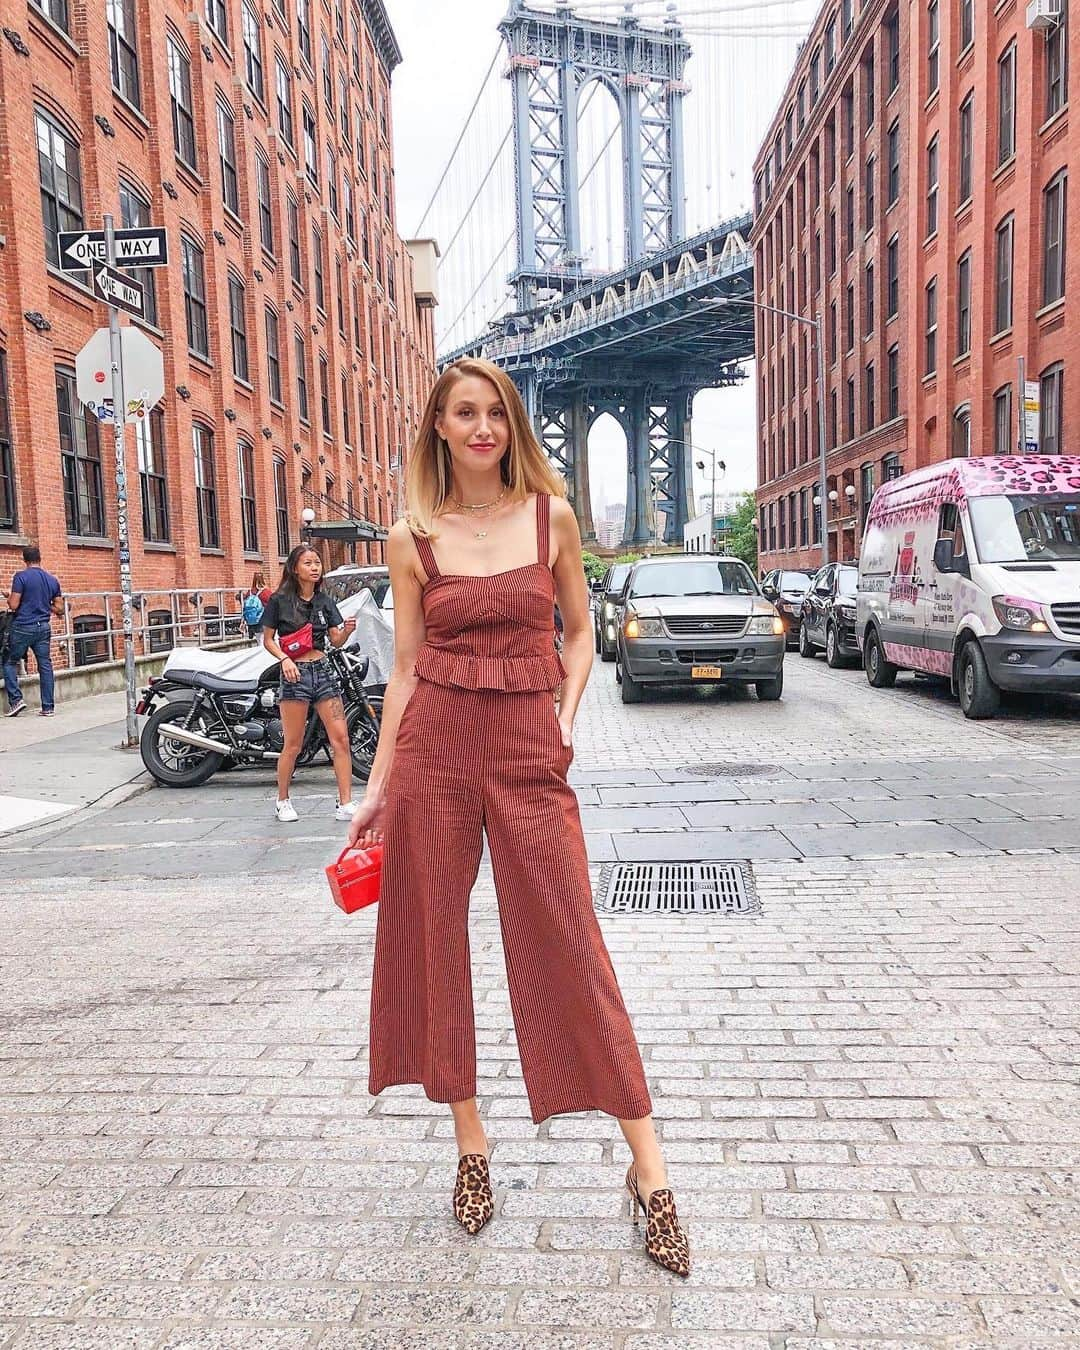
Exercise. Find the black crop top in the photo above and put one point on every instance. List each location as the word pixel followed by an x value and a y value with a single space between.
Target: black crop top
pixel 286 613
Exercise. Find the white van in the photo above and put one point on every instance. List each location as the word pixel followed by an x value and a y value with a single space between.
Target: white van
pixel 971 569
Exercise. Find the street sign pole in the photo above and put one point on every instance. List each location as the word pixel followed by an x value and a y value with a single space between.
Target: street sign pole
pixel 131 735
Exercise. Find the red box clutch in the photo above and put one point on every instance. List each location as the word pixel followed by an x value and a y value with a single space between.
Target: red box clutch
pixel 354 879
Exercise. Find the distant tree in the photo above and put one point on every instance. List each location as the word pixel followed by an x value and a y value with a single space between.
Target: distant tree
pixel 628 557
pixel 742 536
pixel 594 567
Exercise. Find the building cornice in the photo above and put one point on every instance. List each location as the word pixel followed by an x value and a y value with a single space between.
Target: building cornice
pixel 386 44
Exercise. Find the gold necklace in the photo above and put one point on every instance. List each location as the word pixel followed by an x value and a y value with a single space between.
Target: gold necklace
pixel 480 506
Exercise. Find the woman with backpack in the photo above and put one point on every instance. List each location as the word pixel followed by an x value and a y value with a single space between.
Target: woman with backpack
pixel 253 602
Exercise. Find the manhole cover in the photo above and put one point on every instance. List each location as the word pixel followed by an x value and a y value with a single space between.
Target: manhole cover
pixel 677 888
pixel 734 770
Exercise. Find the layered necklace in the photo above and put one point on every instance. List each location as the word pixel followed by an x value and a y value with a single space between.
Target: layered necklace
pixel 480 510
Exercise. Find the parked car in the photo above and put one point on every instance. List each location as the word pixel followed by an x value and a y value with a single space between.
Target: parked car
pixel 606 609
pixel 786 590
pixel 970 569
pixel 694 620
pixel 828 615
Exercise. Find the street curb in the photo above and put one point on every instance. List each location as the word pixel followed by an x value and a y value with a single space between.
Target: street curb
pixel 134 787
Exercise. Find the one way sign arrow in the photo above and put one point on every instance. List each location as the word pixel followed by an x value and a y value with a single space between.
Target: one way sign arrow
pixel 145 246
pixel 116 289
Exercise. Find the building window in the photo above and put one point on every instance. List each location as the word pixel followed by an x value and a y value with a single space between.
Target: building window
pixel 183 122
pixel 1057 64
pixel 933 46
pixel 849 315
pixel 1050 406
pixel 8 512
pixel 1006 128
pixel 815 76
pixel 963 305
pixel 61 182
pixel 217 18
pixel 153 485
pixel 892 50
pixel 354 34
pixel 160 631
pixel 266 214
pixel 300 353
pixel 202 442
pixel 238 327
pixel 1004 439
pixel 892 276
pixel 350 214
pixel 849 221
pixel 832 333
pixel 871 176
pixel 931 187
pixel 80 458
pixel 339 293
pixel 967 133
pixel 281 507
pixel 894 382
pixel 56 10
pixel 317 268
pixel 292 219
pixel 273 356
pixel 961 432
pixel 252 35
pixel 327 76
pixel 967 23
pixel 123 49
pixel 1054 218
pixel 849 409
pixel 847 18
pixel 303 28
pixel 894 163
pixel 91 645
pixel 1003 275
pixel 331 181
pixel 848 106
pixel 249 525
pixel 869 92
pixel 869 284
pixel 345 401
pixel 931 327
pixel 194 297
pixel 311 154
pixel 226 131
pixel 866 490
pixel 135 214
pixel 283 88
pixel 870 412
pixel 830 242
pixel 356 318
pixel 324 394
pixel 830 46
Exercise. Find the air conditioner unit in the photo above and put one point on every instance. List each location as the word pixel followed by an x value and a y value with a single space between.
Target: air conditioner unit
pixel 1043 15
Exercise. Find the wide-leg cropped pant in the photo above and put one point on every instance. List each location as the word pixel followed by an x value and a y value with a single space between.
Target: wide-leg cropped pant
pixel 468 762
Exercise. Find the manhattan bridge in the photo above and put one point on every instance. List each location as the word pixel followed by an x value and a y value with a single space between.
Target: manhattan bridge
pixel 601 299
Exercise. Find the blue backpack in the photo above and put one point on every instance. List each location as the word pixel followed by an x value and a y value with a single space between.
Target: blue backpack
pixel 252 610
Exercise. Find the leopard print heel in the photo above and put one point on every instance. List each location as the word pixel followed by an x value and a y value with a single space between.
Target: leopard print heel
pixel 665 1240
pixel 474 1202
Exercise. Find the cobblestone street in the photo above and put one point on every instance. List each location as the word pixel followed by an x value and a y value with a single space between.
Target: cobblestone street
pixel 868 1093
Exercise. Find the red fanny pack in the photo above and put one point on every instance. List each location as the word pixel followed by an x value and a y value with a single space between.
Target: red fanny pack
pixel 299 643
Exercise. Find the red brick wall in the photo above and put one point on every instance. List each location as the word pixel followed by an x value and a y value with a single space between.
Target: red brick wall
pixel 139 147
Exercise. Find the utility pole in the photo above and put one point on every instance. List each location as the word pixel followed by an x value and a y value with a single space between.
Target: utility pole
pixel 822 449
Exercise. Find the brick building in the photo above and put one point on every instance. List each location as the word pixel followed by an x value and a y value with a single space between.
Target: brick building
pixel 912 190
pixel 257 132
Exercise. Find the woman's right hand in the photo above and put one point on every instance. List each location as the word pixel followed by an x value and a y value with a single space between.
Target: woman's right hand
pixel 290 670
pixel 367 823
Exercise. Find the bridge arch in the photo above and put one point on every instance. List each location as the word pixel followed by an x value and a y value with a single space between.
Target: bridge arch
pixel 600 139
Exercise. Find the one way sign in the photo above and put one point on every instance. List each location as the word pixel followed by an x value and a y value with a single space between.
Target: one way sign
pixel 116 289
pixel 145 247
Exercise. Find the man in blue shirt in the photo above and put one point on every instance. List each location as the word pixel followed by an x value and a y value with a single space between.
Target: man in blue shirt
pixel 34 599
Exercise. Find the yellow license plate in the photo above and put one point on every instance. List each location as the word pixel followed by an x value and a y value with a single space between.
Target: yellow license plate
pixel 706 672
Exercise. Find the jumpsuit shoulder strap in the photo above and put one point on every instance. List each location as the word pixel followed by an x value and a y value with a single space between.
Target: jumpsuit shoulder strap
pixel 427 556
pixel 543 528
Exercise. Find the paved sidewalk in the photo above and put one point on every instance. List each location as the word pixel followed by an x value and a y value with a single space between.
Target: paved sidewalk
pixel 868 1098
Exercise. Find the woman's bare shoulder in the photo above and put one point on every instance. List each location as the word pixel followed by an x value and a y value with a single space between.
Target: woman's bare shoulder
pixel 562 513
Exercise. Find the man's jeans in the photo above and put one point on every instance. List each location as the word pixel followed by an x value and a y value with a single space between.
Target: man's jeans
pixel 23 640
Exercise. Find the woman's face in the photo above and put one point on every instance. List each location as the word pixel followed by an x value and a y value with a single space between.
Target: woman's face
pixel 474 424
pixel 309 567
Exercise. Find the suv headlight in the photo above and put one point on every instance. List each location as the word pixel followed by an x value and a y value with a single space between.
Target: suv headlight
pixel 636 627
pixel 1025 615
pixel 766 625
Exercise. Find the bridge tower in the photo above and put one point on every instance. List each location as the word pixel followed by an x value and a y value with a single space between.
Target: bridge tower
pixel 552 57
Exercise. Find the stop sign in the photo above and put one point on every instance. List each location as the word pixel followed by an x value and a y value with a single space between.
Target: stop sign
pixel 144 374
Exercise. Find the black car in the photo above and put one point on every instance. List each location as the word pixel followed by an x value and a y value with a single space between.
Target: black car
pixel 606 611
pixel 828 615
pixel 786 590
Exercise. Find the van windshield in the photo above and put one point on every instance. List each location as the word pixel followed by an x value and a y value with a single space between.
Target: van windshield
pixel 1027 529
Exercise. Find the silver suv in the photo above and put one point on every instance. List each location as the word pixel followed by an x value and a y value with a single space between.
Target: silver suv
pixel 697 619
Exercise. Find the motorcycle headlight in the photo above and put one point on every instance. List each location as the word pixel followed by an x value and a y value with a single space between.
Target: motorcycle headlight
pixel 766 625
pixel 1025 615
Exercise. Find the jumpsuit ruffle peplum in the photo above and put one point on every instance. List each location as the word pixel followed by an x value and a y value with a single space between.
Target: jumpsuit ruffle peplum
pixel 479 751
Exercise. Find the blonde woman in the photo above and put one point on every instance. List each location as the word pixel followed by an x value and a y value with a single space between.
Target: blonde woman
pixel 472 743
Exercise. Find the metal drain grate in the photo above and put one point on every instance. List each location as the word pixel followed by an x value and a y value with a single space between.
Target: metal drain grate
pixel 734 770
pixel 677 888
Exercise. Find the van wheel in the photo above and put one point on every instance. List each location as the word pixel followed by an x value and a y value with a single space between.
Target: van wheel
pixel 880 672
pixel 979 696
pixel 769 691
pixel 806 647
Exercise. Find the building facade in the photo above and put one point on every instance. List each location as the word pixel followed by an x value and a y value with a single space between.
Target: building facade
pixel 257 132
pixel 912 191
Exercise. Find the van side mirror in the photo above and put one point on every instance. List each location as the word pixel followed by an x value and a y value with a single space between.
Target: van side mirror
pixel 945 561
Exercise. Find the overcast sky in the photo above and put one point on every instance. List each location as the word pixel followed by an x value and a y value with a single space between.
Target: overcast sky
pixel 447 48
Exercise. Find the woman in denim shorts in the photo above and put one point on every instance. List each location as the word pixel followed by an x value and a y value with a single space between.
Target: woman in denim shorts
pixel 309 678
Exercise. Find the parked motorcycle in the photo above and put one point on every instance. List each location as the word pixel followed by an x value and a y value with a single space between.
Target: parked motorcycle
pixel 214 710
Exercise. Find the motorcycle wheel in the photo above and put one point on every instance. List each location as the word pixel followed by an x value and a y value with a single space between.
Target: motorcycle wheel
pixel 363 740
pixel 173 763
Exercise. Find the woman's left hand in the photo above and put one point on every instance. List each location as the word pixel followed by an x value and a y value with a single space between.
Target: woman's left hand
pixel 566 731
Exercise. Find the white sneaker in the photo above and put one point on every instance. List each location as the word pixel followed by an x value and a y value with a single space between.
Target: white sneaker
pixel 344 811
pixel 285 812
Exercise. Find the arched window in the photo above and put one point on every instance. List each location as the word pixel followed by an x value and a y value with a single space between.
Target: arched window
pixel 91 646
pixel 160 634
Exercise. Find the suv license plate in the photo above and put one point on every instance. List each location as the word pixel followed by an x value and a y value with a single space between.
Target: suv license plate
pixel 706 672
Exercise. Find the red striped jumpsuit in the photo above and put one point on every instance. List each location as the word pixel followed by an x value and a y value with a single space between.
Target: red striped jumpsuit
pixel 479 750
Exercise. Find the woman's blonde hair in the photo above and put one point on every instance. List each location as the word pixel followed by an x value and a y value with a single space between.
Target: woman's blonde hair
pixel 429 479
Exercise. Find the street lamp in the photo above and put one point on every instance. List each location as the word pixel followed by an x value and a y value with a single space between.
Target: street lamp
pixel 307 519
pixel 700 464
pixel 816 324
